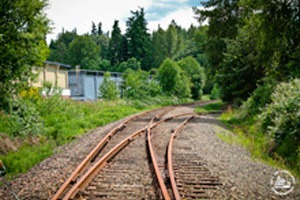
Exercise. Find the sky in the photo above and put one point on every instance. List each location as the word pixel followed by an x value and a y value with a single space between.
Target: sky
pixel 79 14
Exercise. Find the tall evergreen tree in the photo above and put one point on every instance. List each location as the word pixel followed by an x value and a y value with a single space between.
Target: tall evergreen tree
pixel 139 43
pixel 159 44
pixel 100 32
pixel 115 45
pixel 224 17
pixel 94 29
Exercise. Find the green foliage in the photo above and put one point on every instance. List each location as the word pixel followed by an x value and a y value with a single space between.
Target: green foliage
pixel 65 120
pixel 138 85
pixel 91 64
pixel 26 157
pixel 256 102
pixel 22 44
pixel 59 49
pixel 134 84
pixel 196 75
pixel 153 88
pixel 249 134
pixel 83 48
pixel 158 43
pixel 280 120
pixel 131 63
pixel 108 88
pixel 172 79
pixel 246 47
pixel 25 119
pixel 215 92
pixel 104 65
pixel 172 40
pixel 138 39
pixel 212 107
pixel 115 44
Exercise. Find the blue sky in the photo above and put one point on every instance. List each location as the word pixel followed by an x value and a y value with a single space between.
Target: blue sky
pixel 162 8
pixel 69 14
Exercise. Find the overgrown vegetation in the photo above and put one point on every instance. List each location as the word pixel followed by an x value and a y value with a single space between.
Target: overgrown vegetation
pixel 22 32
pixel 253 54
pixel 273 133
pixel 210 108
pixel 54 121
pixel 108 88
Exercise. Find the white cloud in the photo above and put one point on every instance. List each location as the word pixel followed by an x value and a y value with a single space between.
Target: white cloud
pixel 167 3
pixel 69 14
pixel 183 17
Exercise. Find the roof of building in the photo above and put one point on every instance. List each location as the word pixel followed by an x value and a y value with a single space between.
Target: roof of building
pixel 58 64
pixel 95 72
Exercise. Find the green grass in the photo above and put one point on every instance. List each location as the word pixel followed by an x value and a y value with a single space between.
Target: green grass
pixel 248 135
pixel 65 120
pixel 212 107
pixel 205 97
pixel 26 157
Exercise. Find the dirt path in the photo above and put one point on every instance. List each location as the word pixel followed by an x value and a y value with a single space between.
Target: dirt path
pixel 240 176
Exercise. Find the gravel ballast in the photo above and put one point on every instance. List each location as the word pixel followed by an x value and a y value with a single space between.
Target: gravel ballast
pixel 242 177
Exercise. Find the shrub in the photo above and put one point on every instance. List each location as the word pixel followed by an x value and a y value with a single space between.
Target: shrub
pixel 135 84
pixel 196 75
pixel 281 118
pixel 25 119
pixel 172 79
pixel 257 101
pixel 131 63
pixel 108 88
pixel 215 92
pixel 153 88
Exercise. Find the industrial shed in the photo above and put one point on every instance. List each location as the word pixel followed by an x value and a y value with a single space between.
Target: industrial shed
pixel 54 73
pixel 84 84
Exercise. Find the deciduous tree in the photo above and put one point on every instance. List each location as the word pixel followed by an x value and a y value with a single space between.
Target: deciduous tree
pixel 23 28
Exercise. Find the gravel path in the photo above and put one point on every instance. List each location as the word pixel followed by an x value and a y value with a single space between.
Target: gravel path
pixel 240 175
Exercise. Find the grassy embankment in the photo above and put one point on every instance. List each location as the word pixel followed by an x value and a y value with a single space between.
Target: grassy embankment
pixel 246 134
pixel 63 121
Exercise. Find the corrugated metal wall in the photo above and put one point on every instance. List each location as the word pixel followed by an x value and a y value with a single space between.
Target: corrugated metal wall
pixel 84 84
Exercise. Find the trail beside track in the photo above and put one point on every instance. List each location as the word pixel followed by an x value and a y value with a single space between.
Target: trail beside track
pixel 204 167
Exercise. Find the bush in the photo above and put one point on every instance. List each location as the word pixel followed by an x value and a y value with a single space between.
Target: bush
pixel 135 84
pixel 196 75
pixel 281 120
pixel 131 63
pixel 153 88
pixel 25 120
pixel 257 101
pixel 108 88
pixel 172 79
pixel 215 92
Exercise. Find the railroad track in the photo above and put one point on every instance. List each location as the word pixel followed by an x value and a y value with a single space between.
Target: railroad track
pixel 112 171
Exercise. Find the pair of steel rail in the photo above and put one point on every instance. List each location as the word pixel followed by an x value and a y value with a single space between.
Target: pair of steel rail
pixel 84 180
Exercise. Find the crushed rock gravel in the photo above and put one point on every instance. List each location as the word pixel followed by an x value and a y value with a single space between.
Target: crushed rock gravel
pixel 242 176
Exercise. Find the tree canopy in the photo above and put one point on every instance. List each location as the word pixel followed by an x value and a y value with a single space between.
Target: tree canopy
pixel 23 28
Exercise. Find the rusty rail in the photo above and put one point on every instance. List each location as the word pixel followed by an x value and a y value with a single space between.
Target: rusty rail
pixel 170 159
pixel 89 175
pixel 160 180
pixel 84 164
